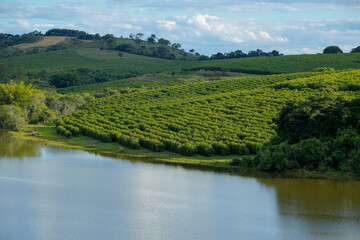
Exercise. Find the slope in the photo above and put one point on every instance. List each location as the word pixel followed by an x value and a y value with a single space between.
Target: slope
pixel 232 116
pixel 289 64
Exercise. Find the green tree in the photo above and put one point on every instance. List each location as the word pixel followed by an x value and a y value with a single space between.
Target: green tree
pixel 11 117
pixel 64 79
pixel 332 49
pixel 355 50
pixel 164 41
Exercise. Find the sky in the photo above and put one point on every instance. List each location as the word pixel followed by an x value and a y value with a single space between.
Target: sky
pixel 208 26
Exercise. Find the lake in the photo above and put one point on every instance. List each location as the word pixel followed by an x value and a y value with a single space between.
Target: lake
pixel 54 193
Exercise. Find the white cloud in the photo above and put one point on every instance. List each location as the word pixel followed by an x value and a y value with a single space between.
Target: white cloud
pixel 43 25
pixel 265 35
pixel 168 25
pixel 236 31
pixel 205 25
pixel 23 24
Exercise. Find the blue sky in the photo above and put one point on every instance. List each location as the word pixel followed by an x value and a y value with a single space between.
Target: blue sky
pixel 208 26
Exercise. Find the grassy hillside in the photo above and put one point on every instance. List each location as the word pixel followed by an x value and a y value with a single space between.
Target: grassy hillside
pixel 92 58
pixel 289 64
pixel 232 116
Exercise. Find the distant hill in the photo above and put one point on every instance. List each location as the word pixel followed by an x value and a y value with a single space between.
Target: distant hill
pixel 287 64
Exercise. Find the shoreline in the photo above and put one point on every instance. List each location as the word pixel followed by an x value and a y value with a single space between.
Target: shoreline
pixel 47 135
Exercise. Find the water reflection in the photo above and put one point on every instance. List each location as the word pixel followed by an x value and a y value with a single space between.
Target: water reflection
pixel 63 193
pixel 11 147
pixel 325 208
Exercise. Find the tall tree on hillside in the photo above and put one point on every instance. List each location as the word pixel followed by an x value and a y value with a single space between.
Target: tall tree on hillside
pixel 139 36
pixel 332 49
pixel 164 41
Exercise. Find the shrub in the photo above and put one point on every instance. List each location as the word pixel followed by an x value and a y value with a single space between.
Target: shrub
pixel 11 117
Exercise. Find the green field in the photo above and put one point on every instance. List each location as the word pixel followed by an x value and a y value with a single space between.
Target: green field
pixel 290 64
pixel 230 116
pixel 106 61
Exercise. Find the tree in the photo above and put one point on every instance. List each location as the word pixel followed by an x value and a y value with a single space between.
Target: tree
pixel 150 40
pixel 110 40
pixel 203 57
pixel 191 50
pixel 139 36
pixel 17 94
pixel 176 45
pixel 64 79
pixel 355 50
pixel 275 53
pixel 11 117
pixel 164 41
pixel 332 49
pixel 319 117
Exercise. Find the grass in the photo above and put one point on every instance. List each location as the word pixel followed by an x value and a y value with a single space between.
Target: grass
pixel 92 58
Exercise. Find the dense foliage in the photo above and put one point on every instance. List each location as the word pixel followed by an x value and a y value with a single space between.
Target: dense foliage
pixel 322 133
pixel 231 116
pixel 72 33
pixel 355 50
pixel 332 49
pixel 80 76
pixel 241 54
pixel 21 104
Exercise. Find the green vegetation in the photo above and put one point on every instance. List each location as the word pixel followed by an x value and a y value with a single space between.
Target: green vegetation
pixel 7 39
pixel 355 50
pixel 21 104
pixel 151 97
pixel 288 64
pixel 332 49
pixel 96 60
pixel 231 116
pixel 321 134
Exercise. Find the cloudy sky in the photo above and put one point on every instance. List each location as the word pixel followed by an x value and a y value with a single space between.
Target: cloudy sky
pixel 208 26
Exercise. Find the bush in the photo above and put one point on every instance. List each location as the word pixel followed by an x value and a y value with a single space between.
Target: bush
pixel 274 157
pixel 205 149
pixel 11 117
pixel 221 148
pixel 64 79
pixel 63 131
pixel 188 149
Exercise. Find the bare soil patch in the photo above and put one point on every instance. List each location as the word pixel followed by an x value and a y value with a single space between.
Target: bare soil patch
pixel 47 41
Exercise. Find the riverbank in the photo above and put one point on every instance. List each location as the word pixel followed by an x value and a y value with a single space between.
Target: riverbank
pixel 47 135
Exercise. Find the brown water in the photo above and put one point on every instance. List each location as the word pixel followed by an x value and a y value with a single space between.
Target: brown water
pixel 53 193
